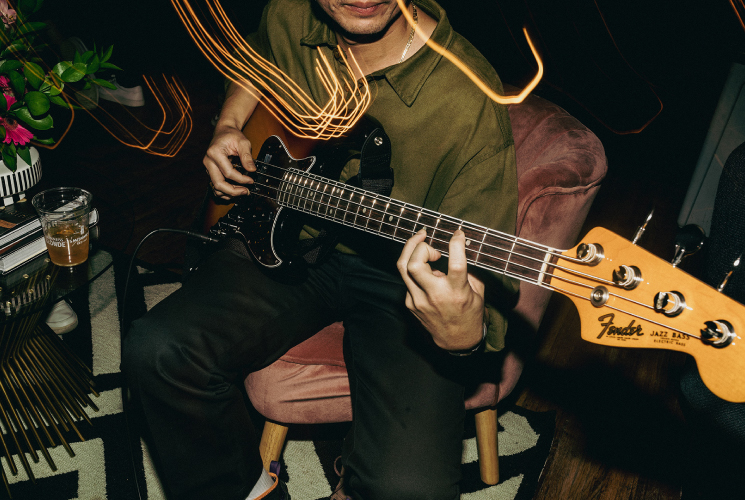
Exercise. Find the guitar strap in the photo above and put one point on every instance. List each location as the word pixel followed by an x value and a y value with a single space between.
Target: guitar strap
pixel 375 174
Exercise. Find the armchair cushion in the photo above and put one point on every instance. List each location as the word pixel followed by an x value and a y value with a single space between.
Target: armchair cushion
pixel 560 164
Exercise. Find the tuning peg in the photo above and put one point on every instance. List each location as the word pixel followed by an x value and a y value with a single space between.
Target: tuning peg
pixel 688 241
pixel 640 230
pixel 735 265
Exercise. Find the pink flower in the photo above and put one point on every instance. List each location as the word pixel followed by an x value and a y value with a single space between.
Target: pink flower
pixel 5 85
pixel 7 14
pixel 15 132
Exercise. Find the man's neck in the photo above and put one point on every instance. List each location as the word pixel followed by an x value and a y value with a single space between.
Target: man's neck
pixel 375 53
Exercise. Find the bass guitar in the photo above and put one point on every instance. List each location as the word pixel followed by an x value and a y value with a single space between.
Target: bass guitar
pixel 625 296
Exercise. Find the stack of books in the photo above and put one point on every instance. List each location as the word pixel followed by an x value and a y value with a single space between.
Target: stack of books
pixel 21 236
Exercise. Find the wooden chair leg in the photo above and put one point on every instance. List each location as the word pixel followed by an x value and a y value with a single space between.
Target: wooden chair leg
pixel 486 440
pixel 272 441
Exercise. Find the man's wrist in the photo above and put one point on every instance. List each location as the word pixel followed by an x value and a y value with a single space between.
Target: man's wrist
pixel 474 349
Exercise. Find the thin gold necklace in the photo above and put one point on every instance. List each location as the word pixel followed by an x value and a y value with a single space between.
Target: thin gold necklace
pixel 411 34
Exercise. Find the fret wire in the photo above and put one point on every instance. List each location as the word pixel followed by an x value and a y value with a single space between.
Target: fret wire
pixel 501 270
pixel 355 190
pixel 477 228
pixel 506 265
pixel 499 235
pixel 284 195
pixel 481 246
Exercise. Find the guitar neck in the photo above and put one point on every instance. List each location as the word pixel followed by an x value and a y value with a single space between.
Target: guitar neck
pixel 393 219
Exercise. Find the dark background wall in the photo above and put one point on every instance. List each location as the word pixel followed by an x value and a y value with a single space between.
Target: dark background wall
pixel 644 75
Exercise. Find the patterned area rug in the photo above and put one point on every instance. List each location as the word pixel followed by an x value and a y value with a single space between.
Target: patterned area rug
pixel 102 466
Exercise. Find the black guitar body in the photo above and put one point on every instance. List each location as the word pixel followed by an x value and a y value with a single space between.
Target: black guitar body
pixel 269 231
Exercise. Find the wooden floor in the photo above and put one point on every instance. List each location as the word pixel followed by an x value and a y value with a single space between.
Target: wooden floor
pixel 620 432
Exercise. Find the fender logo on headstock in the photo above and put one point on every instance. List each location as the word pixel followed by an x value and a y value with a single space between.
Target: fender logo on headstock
pixel 626 331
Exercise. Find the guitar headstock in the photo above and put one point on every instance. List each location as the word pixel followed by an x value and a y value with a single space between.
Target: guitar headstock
pixel 628 297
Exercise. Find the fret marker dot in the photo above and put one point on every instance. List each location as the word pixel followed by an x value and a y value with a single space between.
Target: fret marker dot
pixel 468 242
pixel 390 218
pixel 364 210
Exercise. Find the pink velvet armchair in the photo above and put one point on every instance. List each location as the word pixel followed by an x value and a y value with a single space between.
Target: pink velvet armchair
pixel 560 164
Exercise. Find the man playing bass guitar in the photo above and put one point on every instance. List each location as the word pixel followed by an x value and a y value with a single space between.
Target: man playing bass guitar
pixel 452 152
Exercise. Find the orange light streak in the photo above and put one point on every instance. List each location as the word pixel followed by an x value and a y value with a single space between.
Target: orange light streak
pixel 174 138
pixel 158 141
pixel 741 4
pixel 470 74
pixel 240 63
pixel 347 101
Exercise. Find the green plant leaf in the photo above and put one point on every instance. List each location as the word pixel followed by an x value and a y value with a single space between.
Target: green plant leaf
pixel 9 65
pixel 77 58
pixel 17 82
pixel 25 154
pixel 2 133
pixel 106 65
pixel 9 159
pixel 74 73
pixel 3 102
pixel 46 141
pixel 24 115
pixel 13 48
pixel 58 101
pixel 34 74
pixel 88 56
pixel 104 83
pixel 31 27
pixel 106 55
pixel 37 103
pixel 93 65
pixel 52 85
pixel 61 67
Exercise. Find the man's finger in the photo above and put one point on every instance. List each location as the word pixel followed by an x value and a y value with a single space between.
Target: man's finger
pixel 457 262
pixel 418 266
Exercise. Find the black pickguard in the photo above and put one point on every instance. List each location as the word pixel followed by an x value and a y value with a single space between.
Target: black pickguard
pixel 269 231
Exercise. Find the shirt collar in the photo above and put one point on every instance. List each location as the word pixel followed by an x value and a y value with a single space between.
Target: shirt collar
pixel 407 78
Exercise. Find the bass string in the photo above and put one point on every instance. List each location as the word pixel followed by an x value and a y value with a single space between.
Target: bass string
pixel 510 239
pixel 510 267
pixel 514 240
pixel 553 287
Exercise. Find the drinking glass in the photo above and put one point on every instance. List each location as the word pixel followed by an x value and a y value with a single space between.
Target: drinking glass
pixel 64 212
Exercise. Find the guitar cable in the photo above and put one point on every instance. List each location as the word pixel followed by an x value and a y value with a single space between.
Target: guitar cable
pixel 122 334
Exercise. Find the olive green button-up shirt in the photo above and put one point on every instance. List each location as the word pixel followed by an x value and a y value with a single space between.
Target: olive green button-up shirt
pixel 452 147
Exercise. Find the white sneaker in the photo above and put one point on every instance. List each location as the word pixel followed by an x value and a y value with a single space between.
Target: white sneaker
pixel 128 96
pixel 62 318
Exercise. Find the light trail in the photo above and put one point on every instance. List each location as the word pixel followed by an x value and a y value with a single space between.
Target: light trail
pixel 347 101
pixel 240 63
pixel 501 99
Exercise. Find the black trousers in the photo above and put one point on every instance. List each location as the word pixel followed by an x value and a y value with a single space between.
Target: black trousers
pixel 186 358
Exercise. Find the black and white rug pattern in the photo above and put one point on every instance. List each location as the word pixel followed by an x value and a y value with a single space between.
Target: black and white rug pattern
pixel 102 468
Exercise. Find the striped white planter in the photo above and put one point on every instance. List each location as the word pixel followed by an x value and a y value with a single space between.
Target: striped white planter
pixel 18 182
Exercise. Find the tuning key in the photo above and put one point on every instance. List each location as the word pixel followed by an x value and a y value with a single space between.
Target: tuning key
pixel 590 253
pixel 718 333
pixel 688 241
pixel 669 303
pixel 627 277
pixel 640 230
pixel 735 265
